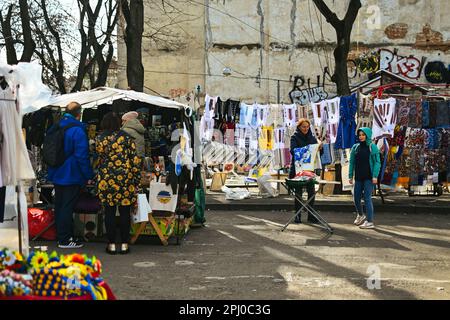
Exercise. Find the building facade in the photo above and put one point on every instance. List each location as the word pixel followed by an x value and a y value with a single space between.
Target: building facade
pixel 274 50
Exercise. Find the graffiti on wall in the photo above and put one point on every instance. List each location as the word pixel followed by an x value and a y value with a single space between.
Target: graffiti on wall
pixel 366 63
pixel 410 67
pixel 309 94
pixel 437 72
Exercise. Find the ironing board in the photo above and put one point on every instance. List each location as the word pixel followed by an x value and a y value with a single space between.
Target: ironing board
pixel 291 185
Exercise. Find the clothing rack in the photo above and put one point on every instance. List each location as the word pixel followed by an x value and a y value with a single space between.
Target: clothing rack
pixel 17 187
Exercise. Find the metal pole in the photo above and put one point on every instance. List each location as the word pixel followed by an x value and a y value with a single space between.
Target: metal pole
pixel 19 219
pixel 278 91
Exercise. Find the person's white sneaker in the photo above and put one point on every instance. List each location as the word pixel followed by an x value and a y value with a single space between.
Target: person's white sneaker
pixel 359 219
pixel 367 225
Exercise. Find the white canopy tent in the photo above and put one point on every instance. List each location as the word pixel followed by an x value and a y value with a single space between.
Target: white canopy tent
pixel 102 95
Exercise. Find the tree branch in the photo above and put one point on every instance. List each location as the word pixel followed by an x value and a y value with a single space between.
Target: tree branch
pixel 331 17
pixel 352 13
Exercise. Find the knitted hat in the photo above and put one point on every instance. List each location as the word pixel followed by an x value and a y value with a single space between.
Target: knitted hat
pixel 130 115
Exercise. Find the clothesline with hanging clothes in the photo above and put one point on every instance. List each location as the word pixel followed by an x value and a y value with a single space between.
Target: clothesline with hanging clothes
pixel 253 131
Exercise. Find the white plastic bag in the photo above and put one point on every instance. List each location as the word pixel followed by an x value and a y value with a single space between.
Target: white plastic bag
pixel 265 187
pixel 143 209
pixel 235 194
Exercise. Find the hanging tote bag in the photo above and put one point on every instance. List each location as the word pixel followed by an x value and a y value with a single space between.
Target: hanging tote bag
pixel 162 197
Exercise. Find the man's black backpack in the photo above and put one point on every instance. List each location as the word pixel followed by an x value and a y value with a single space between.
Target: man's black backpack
pixel 53 147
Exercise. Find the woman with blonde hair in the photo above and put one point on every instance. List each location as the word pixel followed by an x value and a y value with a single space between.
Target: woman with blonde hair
pixel 301 138
pixel 117 179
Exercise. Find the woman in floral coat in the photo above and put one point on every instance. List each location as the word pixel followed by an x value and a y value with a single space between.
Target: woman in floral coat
pixel 117 179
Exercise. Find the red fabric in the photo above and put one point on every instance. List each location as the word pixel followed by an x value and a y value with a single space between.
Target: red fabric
pixel 38 220
pixel 109 293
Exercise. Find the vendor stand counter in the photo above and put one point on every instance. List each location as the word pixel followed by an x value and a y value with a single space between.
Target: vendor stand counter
pixel 165 225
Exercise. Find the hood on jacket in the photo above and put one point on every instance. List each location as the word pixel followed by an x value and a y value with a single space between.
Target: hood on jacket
pixel 368 132
pixel 135 125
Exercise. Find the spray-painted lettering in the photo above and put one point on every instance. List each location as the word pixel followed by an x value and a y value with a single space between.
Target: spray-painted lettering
pixel 309 94
pixel 409 67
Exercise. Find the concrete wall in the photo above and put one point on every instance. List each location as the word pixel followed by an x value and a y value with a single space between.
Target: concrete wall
pixel 273 39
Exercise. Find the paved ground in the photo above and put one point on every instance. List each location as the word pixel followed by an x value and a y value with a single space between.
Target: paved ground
pixel 243 255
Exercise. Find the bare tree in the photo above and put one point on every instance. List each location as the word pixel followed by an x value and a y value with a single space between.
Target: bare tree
pixel 48 35
pixel 343 30
pixel 27 42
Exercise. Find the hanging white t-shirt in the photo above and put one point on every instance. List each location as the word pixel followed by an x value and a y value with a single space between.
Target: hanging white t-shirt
pixel 290 118
pixel 384 118
pixel 333 114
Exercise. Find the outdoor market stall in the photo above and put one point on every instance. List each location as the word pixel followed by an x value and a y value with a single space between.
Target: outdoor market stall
pixel 168 128
pixel 410 123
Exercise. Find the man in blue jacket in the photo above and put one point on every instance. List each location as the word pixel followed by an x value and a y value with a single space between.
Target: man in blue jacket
pixel 73 174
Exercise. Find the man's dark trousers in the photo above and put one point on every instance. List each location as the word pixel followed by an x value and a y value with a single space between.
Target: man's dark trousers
pixel 65 199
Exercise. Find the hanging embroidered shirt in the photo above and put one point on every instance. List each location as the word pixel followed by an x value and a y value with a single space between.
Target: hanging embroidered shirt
pixel 319 113
pixel 240 136
pixel 365 111
pixel 384 118
pixel 403 112
pixel 210 107
pixel 302 112
pixel 333 112
pixel 229 133
pixel 275 115
pixel 279 138
pixel 346 136
pixel 246 114
pixel 266 138
pixel 206 129
pixel 262 115
pixel 290 119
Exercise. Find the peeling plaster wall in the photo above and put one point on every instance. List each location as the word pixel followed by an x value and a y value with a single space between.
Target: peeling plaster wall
pixel 281 39
pixel 169 65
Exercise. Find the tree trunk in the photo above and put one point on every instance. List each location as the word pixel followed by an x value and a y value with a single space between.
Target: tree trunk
pixel 11 56
pixel 343 32
pixel 28 43
pixel 340 76
pixel 134 17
